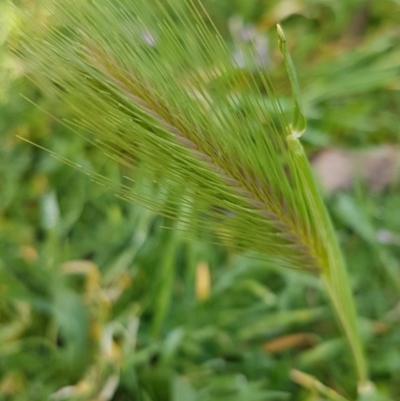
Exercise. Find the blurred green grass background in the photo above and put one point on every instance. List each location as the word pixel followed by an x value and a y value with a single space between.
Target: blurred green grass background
pixel 101 300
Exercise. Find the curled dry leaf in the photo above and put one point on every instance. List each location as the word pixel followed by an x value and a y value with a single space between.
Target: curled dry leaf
pixel 203 281
pixel 298 340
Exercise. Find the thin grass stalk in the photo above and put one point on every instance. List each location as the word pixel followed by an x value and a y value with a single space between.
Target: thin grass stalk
pixel 337 285
pixel 180 112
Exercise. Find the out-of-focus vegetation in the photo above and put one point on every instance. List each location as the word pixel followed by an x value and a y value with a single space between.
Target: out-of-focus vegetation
pixel 101 300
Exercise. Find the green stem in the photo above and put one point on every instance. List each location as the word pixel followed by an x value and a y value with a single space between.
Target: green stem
pixel 334 273
pixel 343 303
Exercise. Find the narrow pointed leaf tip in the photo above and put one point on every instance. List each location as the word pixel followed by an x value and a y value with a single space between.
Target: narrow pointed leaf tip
pixel 299 122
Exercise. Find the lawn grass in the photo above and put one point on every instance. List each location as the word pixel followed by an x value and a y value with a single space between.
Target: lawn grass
pixel 100 297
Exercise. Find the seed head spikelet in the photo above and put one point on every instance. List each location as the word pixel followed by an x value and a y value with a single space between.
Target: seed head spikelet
pixel 154 85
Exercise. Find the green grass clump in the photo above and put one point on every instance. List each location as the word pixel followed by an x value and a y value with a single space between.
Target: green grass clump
pixel 131 322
